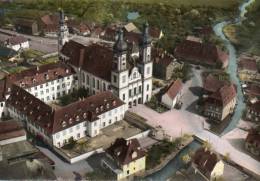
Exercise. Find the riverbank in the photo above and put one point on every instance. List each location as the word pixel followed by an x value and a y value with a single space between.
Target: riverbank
pixel 166 160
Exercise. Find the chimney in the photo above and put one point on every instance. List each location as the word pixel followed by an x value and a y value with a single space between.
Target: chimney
pixel 37 68
pixel 81 57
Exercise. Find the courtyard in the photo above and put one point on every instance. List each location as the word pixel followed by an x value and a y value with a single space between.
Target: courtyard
pixel 108 135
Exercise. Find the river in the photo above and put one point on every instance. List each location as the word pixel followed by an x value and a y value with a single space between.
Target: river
pixel 176 163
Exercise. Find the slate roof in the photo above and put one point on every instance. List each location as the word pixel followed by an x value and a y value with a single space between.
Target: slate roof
pixel 122 151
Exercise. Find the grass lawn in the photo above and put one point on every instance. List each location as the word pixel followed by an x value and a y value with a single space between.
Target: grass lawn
pixel 158 152
pixel 49 60
pixel 100 174
pixel 74 96
pixel 12 70
pixel 30 53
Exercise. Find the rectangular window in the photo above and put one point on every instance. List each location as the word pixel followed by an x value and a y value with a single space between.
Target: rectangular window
pixel 123 97
pixel 114 79
pixel 130 93
pixel 87 79
pixel 140 88
pixel 78 126
pixel 147 87
pixel 148 70
pixel 93 82
pixel 104 87
pixel 124 79
pixel 135 91
pixel 98 84
pixel 58 87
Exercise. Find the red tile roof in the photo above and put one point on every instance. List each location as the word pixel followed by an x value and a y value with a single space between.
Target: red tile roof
pixel 174 88
pixel 224 95
pixel 203 53
pixel 253 90
pixel 50 22
pixel 95 58
pixel 248 64
pixel 212 84
pixel 16 40
pixel 159 56
pixel 122 150
pixel 11 129
pixel 53 121
pixel 205 161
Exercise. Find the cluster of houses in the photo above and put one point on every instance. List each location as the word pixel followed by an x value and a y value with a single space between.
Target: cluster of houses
pixel 11 47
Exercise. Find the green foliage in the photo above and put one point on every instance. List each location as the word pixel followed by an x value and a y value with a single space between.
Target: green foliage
pixel 71 144
pixel 74 96
pixel 183 73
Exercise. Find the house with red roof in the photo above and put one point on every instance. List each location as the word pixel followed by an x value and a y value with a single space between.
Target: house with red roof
pixel 207 164
pixel 252 142
pixel 248 70
pixel 196 52
pixel 164 64
pixel 124 158
pixel 253 112
pixel 17 43
pixel 173 94
pixel 221 103
pixel 56 126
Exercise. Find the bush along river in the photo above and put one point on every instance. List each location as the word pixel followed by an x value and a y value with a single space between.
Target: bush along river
pixel 176 164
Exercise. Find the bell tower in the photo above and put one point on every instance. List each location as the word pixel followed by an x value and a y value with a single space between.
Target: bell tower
pixel 63 30
pixel 145 64
pixel 119 75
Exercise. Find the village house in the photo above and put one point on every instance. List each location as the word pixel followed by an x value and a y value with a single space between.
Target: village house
pixel 220 100
pixel 253 112
pixel 11 132
pixel 252 142
pixel 173 94
pixel 248 69
pixel 124 158
pixel 164 64
pixel 207 164
pixel 78 28
pixel 56 127
pixel 17 43
pixel 194 51
pixel 100 67
pixel 49 25
pixel 26 26
pixel 252 93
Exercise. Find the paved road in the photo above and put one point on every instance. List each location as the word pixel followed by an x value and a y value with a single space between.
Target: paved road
pixel 64 170
pixel 49 45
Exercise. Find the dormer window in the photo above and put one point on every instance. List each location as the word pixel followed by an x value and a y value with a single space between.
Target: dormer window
pixel 46 76
pixel 66 115
pixel 77 118
pixel 34 80
pixel 114 103
pixel 107 106
pixel 97 110
pixel 101 108
pixel 134 155
pixel 67 71
pixel 70 121
pixel 64 124
pixel 85 115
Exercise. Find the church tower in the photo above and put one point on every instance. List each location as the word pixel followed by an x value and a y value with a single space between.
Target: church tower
pixel 145 64
pixel 63 31
pixel 119 75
